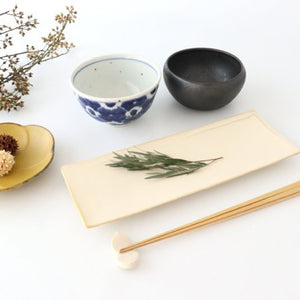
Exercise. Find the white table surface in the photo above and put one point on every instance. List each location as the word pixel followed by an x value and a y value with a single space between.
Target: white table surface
pixel 47 253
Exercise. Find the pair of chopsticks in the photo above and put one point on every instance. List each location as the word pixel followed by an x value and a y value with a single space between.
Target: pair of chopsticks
pixel 270 198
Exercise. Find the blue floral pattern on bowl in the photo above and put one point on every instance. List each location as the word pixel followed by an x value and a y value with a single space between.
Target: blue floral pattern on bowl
pixel 116 88
pixel 120 112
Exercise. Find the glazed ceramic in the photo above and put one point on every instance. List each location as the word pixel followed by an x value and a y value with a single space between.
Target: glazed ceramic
pixel 204 78
pixel 116 89
pixel 246 142
pixel 35 153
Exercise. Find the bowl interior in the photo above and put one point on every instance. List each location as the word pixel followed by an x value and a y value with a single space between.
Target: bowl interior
pixel 204 65
pixel 114 77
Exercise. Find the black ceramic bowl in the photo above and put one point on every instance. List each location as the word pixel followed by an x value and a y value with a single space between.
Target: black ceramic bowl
pixel 204 78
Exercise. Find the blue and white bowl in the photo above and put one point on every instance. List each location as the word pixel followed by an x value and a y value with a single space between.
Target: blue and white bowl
pixel 116 89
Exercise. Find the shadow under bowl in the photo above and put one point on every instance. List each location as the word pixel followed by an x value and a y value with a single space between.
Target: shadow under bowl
pixel 204 78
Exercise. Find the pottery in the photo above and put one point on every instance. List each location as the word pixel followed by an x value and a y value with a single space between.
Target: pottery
pixel 116 89
pixel 127 260
pixel 246 142
pixel 204 78
pixel 34 154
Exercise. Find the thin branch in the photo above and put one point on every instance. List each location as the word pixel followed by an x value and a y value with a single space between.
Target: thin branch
pixel 14 77
pixel 4 13
pixel 15 54
pixel 163 165
pixel 12 29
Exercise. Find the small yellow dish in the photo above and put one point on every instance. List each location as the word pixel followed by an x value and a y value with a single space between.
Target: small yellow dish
pixel 35 153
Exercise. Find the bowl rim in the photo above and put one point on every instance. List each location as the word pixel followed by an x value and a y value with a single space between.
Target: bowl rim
pixel 241 72
pixel 115 56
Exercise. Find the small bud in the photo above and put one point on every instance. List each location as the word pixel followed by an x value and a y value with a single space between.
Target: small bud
pixel 7 162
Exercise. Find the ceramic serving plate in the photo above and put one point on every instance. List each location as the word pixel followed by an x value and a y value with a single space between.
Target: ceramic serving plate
pixel 36 150
pixel 246 143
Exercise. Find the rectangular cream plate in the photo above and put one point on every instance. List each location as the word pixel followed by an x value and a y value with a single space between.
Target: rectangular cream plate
pixel 246 143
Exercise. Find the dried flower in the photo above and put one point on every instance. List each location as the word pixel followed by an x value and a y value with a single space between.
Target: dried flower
pixel 8 143
pixel 7 162
pixel 15 68
pixel 164 165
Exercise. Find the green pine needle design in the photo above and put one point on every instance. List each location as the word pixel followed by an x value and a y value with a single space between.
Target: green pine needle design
pixel 163 165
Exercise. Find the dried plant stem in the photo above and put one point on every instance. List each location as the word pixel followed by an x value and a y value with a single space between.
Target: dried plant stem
pixel 14 76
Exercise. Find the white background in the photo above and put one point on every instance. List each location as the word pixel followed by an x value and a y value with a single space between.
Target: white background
pixel 47 253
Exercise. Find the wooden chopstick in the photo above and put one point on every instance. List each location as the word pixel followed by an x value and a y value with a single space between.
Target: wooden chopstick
pixel 242 208
pixel 270 198
pixel 223 216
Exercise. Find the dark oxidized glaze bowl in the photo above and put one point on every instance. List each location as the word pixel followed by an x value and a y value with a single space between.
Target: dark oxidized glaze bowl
pixel 204 78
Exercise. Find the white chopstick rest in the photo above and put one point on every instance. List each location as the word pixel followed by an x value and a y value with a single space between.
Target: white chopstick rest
pixel 127 260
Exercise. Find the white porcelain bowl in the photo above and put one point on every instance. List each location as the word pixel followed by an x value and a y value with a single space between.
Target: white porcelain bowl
pixel 116 89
